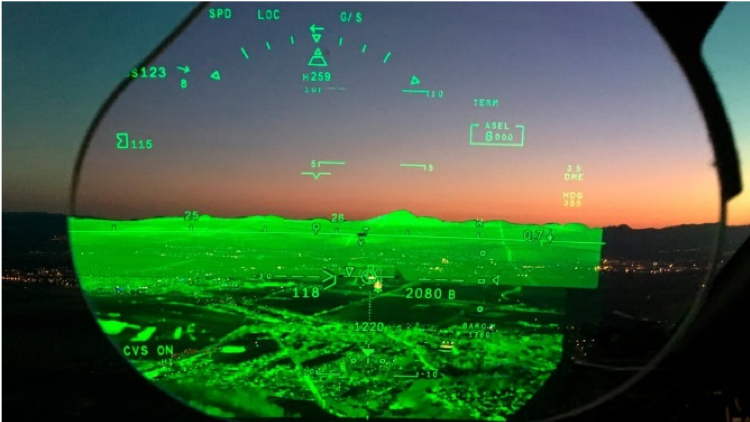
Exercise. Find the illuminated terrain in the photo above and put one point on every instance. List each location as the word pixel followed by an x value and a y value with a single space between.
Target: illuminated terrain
pixel 396 316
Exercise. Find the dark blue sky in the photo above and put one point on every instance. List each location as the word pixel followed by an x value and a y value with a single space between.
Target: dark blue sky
pixel 592 82
pixel 60 62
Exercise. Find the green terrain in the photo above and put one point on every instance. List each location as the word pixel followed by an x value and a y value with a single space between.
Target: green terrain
pixel 396 316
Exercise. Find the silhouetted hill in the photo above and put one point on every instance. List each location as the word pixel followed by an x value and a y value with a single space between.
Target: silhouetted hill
pixel 689 241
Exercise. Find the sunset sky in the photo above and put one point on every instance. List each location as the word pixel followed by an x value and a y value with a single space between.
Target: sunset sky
pixel 593 84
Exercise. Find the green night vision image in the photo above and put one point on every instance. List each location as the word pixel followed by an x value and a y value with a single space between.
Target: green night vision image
pixel 395 316
pixel 328 210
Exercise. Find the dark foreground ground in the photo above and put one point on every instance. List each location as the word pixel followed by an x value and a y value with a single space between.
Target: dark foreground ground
pixel 57 365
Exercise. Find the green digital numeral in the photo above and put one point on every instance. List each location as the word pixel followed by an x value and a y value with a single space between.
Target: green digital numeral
pixel 141 144
pixel 426 293
pixel 490 136
pixel 314 292
pixel 316 77
pixel 149 72
pixel 528 235
pixel 369 327
pixel 192 216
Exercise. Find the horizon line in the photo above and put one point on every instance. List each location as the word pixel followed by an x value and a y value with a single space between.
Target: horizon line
pixel 382 215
